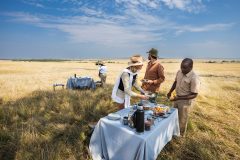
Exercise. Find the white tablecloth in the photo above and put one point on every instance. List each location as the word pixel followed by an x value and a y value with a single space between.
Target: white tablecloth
pixel 115 141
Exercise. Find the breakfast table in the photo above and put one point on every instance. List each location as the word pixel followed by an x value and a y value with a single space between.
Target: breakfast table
pixel 81 83
pixel 113 140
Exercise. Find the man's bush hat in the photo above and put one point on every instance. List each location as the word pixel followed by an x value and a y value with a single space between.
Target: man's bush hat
pixel 153 52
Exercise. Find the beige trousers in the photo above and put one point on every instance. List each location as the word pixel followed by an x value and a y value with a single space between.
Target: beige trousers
pixel 183 107
pixel 103 78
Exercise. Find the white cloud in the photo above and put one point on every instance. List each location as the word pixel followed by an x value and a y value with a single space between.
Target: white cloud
pixel 141 17
pixel 180 4
pixel 74 2
pixel 89 11
pixel 134 28
pixel 102 34
pixel 22 17
pixel 136 3
pixel 85 29
pixel 34 3
pixel 194 6
pixel 205 28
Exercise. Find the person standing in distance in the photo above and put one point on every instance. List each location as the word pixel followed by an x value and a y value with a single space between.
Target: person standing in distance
pixel 102 73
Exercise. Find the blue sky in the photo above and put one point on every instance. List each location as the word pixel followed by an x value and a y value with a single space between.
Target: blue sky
pixel 119 28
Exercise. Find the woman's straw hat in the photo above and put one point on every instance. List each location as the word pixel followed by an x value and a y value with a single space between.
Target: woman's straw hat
pixel 135 60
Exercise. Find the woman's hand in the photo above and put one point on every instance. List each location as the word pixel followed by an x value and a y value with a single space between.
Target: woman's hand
pixel 143 97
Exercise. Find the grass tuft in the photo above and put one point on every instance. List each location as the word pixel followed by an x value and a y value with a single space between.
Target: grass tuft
pixel 51 125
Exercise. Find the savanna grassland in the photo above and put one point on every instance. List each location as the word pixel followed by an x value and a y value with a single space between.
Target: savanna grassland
pixel 39 123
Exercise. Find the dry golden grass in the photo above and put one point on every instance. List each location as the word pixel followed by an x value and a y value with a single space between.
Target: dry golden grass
pixel 37 123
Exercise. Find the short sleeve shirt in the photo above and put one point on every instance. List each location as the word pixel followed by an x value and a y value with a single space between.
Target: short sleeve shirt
pixel 103 69
pixel 187 84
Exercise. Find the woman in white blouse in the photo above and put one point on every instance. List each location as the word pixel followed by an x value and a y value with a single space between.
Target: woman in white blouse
pixel 122 91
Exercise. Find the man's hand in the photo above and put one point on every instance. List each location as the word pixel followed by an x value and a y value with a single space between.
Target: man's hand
pixel 150 81
pixel 169 95
pixel 147 81
pixel 144 80
pixel 174 98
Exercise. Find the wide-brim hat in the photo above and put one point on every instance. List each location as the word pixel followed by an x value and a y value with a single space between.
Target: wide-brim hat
pixel 135 60
pixel 153 52
pixel 100 63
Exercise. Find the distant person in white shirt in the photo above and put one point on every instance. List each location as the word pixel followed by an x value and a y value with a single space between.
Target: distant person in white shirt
pixel 102 73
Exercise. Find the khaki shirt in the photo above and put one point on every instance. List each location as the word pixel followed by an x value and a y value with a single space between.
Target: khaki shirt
pixel 187 84
pixel 155 72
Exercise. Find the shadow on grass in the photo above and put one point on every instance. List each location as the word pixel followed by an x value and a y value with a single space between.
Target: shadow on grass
pixel 51 125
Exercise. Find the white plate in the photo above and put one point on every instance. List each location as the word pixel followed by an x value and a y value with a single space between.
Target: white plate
pixel 113 116
pixel 161 105
pixel 148 112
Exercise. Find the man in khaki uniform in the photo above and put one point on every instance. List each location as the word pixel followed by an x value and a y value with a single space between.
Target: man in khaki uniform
pixel 186 85
pixel 154 74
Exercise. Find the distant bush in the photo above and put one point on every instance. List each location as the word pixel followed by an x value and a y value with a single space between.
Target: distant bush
pixel 211 62
pixel 111 62
pixel 223 61
pixel 41 60
pixel 230 61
